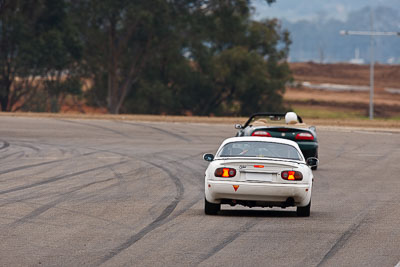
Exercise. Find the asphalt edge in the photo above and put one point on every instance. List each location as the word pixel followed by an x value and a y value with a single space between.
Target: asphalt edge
pixel 326 124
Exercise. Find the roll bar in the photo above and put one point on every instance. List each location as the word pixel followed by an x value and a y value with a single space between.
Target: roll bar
pixel 268 114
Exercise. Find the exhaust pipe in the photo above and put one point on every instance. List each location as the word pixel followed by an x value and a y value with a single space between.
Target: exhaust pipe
pixel 289 202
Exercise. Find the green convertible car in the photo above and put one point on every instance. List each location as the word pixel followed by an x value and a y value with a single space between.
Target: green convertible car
pixel 282 125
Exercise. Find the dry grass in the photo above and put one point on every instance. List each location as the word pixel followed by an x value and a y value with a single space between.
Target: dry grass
pixel 341 73
pixel 351 102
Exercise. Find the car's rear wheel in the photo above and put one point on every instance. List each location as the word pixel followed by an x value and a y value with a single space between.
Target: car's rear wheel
pixel 304 211
pixel 315 167
pixel 211 208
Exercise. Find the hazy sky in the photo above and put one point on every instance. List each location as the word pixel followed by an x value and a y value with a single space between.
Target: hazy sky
pixel 295 10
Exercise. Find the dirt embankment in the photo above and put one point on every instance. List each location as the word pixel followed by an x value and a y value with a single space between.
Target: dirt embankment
pixel 341 73
pixel 386 76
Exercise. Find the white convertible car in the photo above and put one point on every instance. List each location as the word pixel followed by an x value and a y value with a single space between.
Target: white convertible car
pixel 256 171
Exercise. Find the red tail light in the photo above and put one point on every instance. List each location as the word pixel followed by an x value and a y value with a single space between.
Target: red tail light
pixel 261 133
pixel 292 175
pixel 225 172
pixel 304 136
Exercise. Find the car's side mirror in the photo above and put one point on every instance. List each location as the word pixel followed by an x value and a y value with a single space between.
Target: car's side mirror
pixel 238 126
pixel 312 162
pixel 208 157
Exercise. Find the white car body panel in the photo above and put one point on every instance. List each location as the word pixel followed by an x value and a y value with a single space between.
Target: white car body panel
pixel 263 186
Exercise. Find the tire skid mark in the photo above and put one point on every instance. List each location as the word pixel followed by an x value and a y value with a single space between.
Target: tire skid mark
pixel 33 172
pixel 144 168
pixel 27 146
pixel 181 159
pixel 74 151
pixel 62 151
pixel 28 200
pixel 352 172
pixel 160 220
pixel 4 145
pixel 194 201
pixel 169 133
pixel 178 136
pixel 228 240
pixel 120 176
pixel 8 201
pixel 97 127
pixel 42 164
pixel 344 237
pixel 341 241
pixel 139 158
pixel 46 207
pixel 57 178
pixel 157 223
pixel 11 154
pixel 117 174
pixel 163 218
pixel 196 198
pixel 341 151
pixel 26 143
pixel 29 166
pixel 98 150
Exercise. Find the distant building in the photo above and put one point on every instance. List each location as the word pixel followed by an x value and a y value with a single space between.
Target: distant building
pixel 357 59
pixel 393 61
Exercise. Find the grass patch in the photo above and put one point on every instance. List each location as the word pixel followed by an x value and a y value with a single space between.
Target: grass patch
pixel 396 118
pixel 327 113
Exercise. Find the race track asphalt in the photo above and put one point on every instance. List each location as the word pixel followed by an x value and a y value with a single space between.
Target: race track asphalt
pixel 124 193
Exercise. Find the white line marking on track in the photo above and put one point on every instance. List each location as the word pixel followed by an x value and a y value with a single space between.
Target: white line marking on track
pixel 398 264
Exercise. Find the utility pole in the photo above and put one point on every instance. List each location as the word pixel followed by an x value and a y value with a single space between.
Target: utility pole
pixel 371 33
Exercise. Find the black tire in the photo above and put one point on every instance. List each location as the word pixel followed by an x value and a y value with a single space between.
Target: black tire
pixel 304 211
pixel 211 208
pixel 316 167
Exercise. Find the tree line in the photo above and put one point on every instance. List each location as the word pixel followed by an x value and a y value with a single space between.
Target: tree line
pixel 197 57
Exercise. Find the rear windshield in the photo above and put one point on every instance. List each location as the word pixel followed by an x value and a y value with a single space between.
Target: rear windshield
pixel 259 149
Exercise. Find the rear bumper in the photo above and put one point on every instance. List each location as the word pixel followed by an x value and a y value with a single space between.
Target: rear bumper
pixel 265 192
